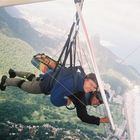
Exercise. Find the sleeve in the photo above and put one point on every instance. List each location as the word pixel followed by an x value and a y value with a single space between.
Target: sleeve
pixel 82 113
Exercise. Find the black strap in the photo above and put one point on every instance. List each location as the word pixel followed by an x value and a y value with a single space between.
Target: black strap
pixel 65 48
pixel 70 108
pixel 74 53
pixel 68 48
pixel 77 1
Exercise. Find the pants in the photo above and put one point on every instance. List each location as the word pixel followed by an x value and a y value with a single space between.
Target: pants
pixel 28 86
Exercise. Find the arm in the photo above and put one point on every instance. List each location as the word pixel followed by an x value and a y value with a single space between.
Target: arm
pixel 104 120
pixel 69 101
pixel 83 115
pixel 82 112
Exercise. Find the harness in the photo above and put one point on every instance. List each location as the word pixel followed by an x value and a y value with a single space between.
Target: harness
pixel 45 63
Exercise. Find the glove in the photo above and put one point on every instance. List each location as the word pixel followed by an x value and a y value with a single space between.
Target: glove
pixel 104 120
pixel 68 101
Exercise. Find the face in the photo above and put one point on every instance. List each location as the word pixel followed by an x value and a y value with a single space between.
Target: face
pixel 95 101
pixel 89 86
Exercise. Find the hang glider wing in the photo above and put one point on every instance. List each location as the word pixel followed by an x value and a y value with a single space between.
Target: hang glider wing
pixel 5 3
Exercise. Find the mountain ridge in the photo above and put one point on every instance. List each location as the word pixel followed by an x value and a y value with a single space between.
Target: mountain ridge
pixel 20 28
pixel 106 60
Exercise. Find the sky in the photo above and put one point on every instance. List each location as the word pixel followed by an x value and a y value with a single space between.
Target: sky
pixel 116 22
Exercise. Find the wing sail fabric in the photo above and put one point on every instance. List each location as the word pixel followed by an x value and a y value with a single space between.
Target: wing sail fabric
pixel 5 3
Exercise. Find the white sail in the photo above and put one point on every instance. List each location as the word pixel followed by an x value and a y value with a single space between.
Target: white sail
pixel 5 3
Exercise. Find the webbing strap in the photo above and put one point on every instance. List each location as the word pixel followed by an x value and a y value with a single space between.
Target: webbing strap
pixel 77 1
pixel 65 48
pixel 74 53
pixel 68 44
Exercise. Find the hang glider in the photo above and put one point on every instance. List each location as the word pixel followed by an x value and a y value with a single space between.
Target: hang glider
pixel 6 3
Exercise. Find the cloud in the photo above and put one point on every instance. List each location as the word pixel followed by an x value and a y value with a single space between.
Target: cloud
pixel 107 44
pixel 101 16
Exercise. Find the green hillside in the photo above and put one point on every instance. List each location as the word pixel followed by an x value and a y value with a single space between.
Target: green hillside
pixel 14 53
pixel 21 28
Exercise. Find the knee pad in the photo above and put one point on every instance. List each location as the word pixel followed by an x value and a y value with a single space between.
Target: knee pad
pixel 20 83
pixel 30 77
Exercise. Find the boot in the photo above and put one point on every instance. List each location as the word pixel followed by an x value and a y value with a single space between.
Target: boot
pixel 12 73
pixel 29 76
pixel 2 84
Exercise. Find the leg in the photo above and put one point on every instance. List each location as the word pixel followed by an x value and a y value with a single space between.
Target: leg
pixel 28 86
pixel 28 75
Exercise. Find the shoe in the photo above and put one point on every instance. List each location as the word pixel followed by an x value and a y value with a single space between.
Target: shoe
pixel 12 73
pixel 30 77
pixel 2 84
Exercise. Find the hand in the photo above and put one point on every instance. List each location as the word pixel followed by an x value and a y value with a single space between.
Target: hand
pixel 104 120
pixel 68 101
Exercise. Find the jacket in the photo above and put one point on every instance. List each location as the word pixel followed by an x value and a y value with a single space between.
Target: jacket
pixel 67 82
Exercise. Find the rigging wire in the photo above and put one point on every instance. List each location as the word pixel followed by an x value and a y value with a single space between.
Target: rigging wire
pixel 132 52
pixel 79 54
pixel 58 44
pixel 82 53
pixel 86 59
pixel 91 53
